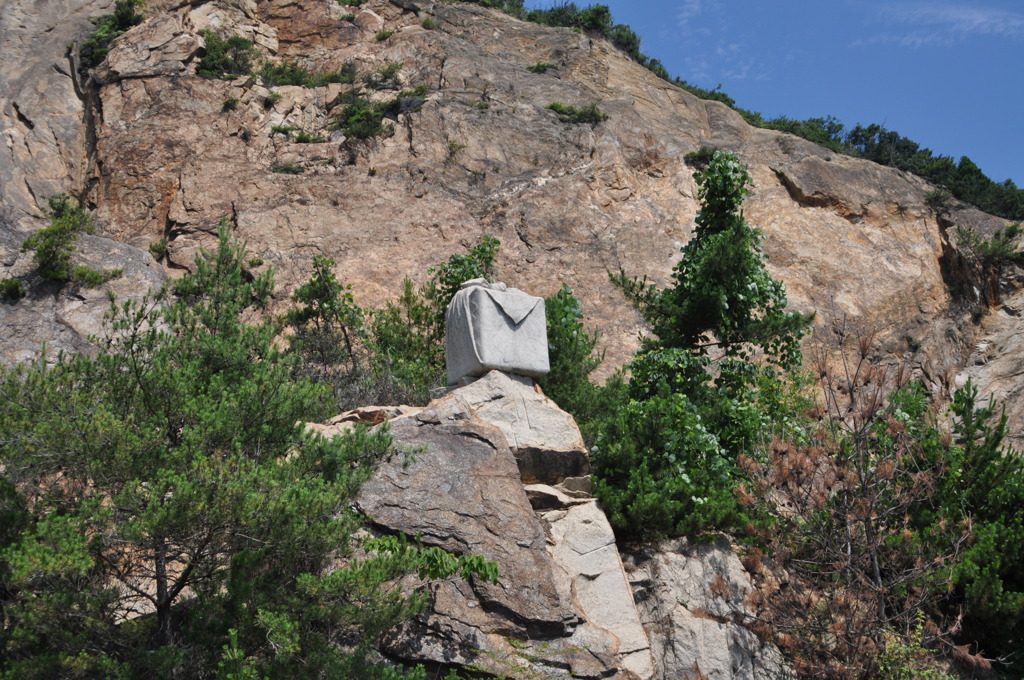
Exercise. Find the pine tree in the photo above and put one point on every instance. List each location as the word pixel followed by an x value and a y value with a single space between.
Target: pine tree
pixel 167 513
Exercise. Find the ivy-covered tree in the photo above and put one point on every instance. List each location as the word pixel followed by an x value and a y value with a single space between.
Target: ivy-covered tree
pixel 166 514
pixel 706 384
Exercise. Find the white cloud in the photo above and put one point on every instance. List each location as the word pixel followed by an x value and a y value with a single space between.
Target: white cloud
pixel 688 10
pixel 917 24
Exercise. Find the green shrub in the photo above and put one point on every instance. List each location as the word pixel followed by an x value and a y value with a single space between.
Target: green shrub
pixel 589 114
pixel 217 507
pixel 285 73
pixel 230 104
pixel 382 35
pixel 108 27
pixel 573 356
pixel 158 249
pixel 291 73
pixel 271 99
pixel 362 119
pixel 352 3
pixel 12 289
pixel 225 58
pixel 329 325
pixel 384 76
pixel 428 24
pixel 540 67
pixel 700 158
pixel 347 17
pixel 54 245
pixel 407 338
pixel 308 138
pixel 92 278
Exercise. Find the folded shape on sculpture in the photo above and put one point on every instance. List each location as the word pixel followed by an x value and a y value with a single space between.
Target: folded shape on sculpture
pixel 491 327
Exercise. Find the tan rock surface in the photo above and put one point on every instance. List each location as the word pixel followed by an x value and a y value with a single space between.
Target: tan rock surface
pixel 569 205
pixel 545 439
pixel 568 202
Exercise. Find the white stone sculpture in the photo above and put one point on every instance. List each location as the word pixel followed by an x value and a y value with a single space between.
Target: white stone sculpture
pixel 489 326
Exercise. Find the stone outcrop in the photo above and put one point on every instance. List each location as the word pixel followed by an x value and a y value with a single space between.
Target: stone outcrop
pixel 64 317
pixel 693 599
pixel 562 605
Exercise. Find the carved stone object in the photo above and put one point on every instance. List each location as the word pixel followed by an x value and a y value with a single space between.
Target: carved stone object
pixel 491 327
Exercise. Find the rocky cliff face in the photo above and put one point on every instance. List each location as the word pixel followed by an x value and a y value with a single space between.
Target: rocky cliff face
pixel 153 150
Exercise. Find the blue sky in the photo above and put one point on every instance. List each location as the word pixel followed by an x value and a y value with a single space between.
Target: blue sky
pixel 948 75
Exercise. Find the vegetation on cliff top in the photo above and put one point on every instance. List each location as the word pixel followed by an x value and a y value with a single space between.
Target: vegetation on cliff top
pixel 963 179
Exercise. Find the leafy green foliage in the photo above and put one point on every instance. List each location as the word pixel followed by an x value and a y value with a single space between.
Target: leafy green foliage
pixel 986 259
pixel 407 339
pixel 573 356
pixel 390 355
pixel 362 119
pixel 291 73
pixel 446 279
pixel 329 326
pixel 429 24
pixel 225 58
pixel 700 158
pixel 108 27
pixel 986 483
pixel 666 462
pixel 54 245
pixel 287 168
pixel 906 658
pixel 383 34
pixel 164 511
pixel 589 114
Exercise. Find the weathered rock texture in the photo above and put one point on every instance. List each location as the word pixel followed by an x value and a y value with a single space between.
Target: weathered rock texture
pixel 158 156
pixel 693 599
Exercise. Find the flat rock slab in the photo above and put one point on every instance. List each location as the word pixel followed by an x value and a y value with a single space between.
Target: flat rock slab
pixel 545 439
pixel 583 547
